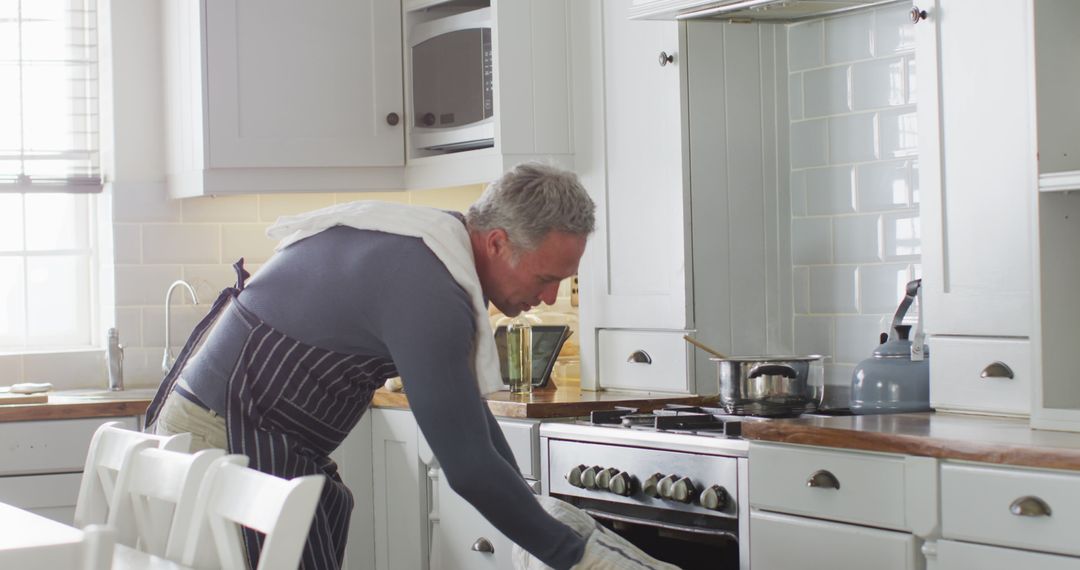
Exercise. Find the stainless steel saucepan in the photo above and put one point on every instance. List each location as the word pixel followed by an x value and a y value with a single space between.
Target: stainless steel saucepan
pixel 771 385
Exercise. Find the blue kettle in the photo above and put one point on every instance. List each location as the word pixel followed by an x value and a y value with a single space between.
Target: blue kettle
pixel 896 378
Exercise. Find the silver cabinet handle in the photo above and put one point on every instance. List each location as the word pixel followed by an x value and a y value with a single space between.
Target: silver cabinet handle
pixel 822 479
pixel 483 545
pixel 666 58
pixel 639 357
pixel 917 15
pixel 997 369
pixel 1029 506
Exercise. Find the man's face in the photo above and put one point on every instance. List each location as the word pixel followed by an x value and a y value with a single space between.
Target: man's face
pixel 535 278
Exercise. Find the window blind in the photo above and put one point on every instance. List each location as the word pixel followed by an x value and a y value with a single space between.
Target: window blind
pixel 49 126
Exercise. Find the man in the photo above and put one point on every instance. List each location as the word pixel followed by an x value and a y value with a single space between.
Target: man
pixel 362 292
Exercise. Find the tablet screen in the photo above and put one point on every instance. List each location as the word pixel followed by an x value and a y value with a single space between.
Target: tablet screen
pixel 547 341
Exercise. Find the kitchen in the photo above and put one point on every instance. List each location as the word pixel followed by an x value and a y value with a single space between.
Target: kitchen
pixel 823 216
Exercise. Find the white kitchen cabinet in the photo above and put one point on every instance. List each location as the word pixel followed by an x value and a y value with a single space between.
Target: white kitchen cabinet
pixel 650 142
pixel 401 491
pixel 41 463
pixel 953 555
pixel 978 172
pixel 781 541
pixel 356 468
pixel 281 96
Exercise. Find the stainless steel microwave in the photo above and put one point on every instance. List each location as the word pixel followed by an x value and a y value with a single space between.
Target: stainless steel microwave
pixel 453 107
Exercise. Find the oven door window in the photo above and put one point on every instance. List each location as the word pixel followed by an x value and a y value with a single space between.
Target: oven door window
pixel 452 79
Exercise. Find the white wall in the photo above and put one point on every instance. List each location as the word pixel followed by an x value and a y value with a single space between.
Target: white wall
pixel 854 183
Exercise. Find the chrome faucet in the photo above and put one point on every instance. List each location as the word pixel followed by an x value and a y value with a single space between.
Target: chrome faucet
pixel 166 360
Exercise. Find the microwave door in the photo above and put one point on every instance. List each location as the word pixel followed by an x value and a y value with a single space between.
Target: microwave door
pixel 448 79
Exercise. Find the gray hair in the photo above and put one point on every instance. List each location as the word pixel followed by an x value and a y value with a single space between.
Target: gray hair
pixel 531 200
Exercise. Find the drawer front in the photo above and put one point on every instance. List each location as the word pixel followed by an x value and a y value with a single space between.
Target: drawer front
pixel 51 496
pixel 963 556
pixel 53 446
pixel 781 542
pixel 871 486
pixel 524 440
pixel 976 500
pixel 956 368
pixel 644 360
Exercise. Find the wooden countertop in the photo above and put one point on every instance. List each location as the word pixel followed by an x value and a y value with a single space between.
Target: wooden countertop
pixel 63 407
pixel 1007 441
pixel 561 403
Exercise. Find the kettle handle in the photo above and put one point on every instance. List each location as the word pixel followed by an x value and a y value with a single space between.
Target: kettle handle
pixel 910 292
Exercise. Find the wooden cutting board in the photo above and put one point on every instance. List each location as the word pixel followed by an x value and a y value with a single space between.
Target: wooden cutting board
pixel 9 398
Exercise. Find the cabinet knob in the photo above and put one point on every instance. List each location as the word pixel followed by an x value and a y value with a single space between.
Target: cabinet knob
pixel 917 15
pixel 822 479
pixel 393 119
pixel 483 545
pixel 666 58
pixel 1029 507
pixel 639 357
pixel 997 369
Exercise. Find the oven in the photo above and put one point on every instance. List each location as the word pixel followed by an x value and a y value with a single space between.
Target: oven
pixel 678 492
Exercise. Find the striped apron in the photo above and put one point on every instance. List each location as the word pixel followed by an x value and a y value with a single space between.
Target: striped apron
pixel 289 405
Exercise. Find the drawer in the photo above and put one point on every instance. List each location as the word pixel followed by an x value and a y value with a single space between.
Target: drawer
pixel 871 487
pixel 643 360
pixel 976 500
pixel 524 440
pixel 782 542
pixel 963 556
pixel 51 496
pixel 53 446
pixel 956 368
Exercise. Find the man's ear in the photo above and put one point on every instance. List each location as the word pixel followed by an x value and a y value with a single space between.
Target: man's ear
pixel 498 243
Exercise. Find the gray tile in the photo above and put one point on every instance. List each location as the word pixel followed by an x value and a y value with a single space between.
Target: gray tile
pixel 852 139
pixel 830 190
pixel 811 241
pixel 809 143
pixel 856 239
pixel 878 83
pixel 800 277
pixel 814 335
pixel 902 236
pixel 899 132
pixel 798 193
pixel 805 45
pixel 827 91
pixel 881 287
pixel 893 30
pixel 848 38
pixel 884 186
pixel 856 337
pixel 795 96
pixel 833 290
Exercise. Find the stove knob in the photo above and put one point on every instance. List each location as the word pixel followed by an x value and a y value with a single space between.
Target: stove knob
pixel 715 498
pixel 666 486
pixel 622 484
pixel 603 478
pixel 588 477
pixel 574 476
pixel 683 490
pixel 651 487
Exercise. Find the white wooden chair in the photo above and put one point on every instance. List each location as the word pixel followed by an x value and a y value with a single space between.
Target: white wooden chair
pixel 234 496
pixel 155 496
pixel 111 447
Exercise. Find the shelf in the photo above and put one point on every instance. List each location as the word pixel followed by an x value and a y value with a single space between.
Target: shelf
pixel 1059 181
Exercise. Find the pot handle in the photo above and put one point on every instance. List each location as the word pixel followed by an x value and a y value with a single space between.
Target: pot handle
pixel 773 369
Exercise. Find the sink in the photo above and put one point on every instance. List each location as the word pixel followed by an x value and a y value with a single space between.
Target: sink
pixel 104 395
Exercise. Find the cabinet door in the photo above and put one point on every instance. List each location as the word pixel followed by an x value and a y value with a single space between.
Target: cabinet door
pixel 637 275
pixel 308 84
pixel 464 540
pixel 354 459
pixel 400 492
pixel 781 541
pixel 977 165
pixel 962 556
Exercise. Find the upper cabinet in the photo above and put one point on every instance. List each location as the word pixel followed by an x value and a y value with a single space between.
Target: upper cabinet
pixel 281 96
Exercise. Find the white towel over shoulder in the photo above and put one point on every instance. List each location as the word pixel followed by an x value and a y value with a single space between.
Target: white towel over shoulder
pixel 444 234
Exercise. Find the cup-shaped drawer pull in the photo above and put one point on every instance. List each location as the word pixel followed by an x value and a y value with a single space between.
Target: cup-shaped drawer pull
pixel 1029 506
pixel 822 479
pixel 639 357
pixel 997 369
pixel 483 545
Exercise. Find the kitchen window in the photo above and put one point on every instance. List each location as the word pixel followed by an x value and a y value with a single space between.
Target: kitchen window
pixel 49 174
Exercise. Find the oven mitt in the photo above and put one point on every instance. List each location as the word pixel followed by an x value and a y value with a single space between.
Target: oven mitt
pixel 604 550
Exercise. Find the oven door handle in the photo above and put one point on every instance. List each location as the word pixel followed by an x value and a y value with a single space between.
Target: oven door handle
pixel 657 524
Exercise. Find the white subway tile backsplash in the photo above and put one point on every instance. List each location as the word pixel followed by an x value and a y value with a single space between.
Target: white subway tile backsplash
pixel 798 193
pixel 849 38
pixel 271 206
pixel 882 286
pixel 801 289
pixel 809 143
pixel 142 202
pixel 246 240
pixel 142 366
pixel 181 243
pixel 127 243
pixel 814 335
pixel 129 326
pixel 915 200
pixel 11 369
pixel 893 30
pixel 899 133
pixel 830 190
pixel 878 83
pixel 138 285
pixel 884 185
pixel 811 240
pixel 912 83
pixel 833 289
pixel 856 337
pixel 856 239
pixel 852 138
pixel 806 45
pixel 902 236
pixel 795 96
pixel 83 369
pixel 827 91
pixel 457 198
pixel 243 208
pixel 838 375
pixel 209 280
pixel 181 322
